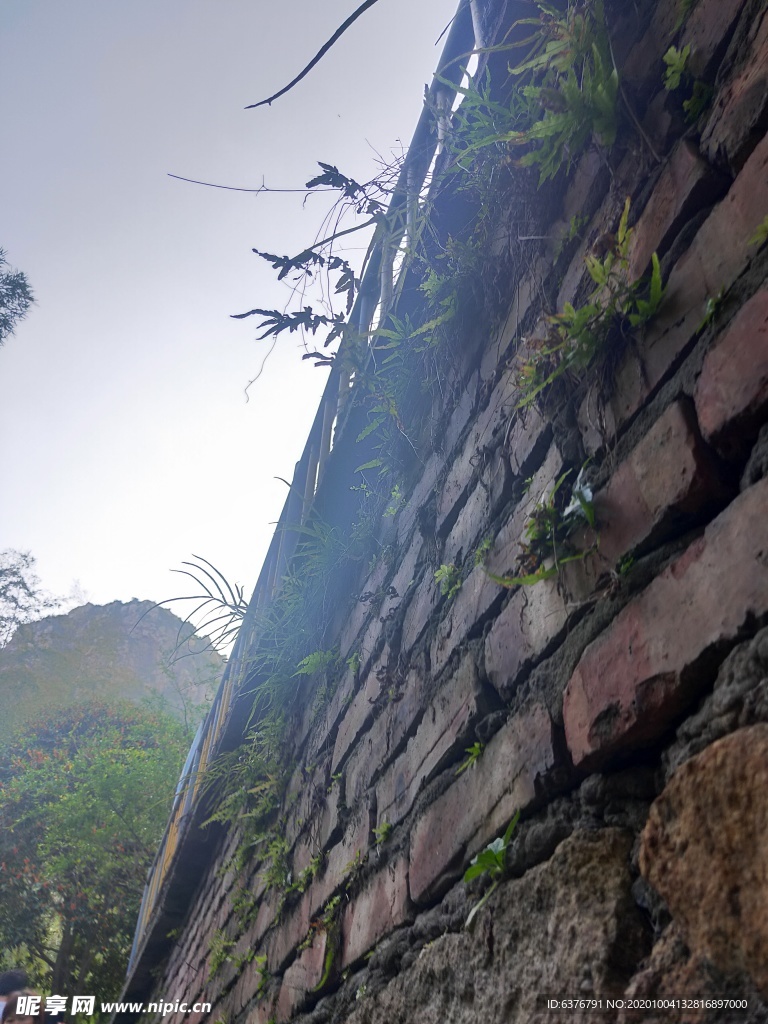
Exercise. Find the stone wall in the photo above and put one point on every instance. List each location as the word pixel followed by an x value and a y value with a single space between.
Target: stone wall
pixel 622 704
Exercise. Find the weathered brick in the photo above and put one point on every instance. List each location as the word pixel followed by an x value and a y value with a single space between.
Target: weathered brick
pixel 521 633
pixel 293 926
pixel 481 801
pixel 247 987
pixel 705 28
pixel 342 858
pixel 419 611
pixel 478 592
pixel 637 676
pixel 527 294
pixel 402 580
pixel 267 914
pixel 732 392
pixel 360 610
pixel 360 711
pixel 604 221
pixel 501 406
pixel 669 474
pixel 467 527
pixel 648 49
pixel 524 437
pixel 581 184
pixel 687 183
pixel 453 492
pixel 309 803
pixel 468 606
pixel 326 822
pixel 718 254
pixel 377 747
pixel 460 415
pixel 303 975
pixel 425 486
pixel 261 1013
pixel 320 723
pixel 382 906
pixel 443 733
pixel 738 114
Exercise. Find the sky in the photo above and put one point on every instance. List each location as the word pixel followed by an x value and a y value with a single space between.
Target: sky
pixel 129 443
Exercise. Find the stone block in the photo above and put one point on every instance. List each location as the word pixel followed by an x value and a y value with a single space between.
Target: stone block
pixel 281 942
pixel 320 723
pixel 636 677
pixel 668 475
pixel 423 490
pixel 383 740
pixel 538 936
pixel 382 906
pixel 527 295
pixel 471 520
pixel 703 850
pixel 738 116
pixel 445 730
pixel 303 975
pixel 687 184
pixel 705 28
pixel 361 609
pixel 480 802
pixel 468 607
pixel 360 711
pixel 402 581
pixel 718 255
pixel 501 406
pixel 732 391
pixel 419 612
pixel 530 621
pixel 478 592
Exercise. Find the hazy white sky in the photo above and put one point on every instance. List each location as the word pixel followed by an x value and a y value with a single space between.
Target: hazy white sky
pixel 127 440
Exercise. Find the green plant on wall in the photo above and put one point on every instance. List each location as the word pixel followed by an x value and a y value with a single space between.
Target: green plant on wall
pixel 219 952
pixel 675 61
pixel 449 578
pixel 546 546
pixel 473 755
pixel 677 75
pixel 492 862
pixel 566 99
pixel 382 832
pixel 581 334
pixel 573 83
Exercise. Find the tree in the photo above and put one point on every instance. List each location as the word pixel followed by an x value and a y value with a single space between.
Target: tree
pixel 21 597
pixel 84 797
pixel 15 298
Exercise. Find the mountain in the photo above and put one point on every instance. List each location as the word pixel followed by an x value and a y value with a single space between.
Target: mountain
pixel 116 650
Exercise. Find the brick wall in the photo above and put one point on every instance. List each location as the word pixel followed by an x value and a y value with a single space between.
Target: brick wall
pixel 622 711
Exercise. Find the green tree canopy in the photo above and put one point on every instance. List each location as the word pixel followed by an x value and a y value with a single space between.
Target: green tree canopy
pixel 84 796
pixel 15 298
pixel 21 596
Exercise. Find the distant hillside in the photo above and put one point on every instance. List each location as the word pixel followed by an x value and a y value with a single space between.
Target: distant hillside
pixel 102 651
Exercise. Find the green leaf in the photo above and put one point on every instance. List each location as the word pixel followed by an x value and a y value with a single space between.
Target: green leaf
pixel 373 464
pixel 622 235
pixel 369 430
pixel 657 288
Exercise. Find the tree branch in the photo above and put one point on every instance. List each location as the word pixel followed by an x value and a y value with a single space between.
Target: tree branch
pixel 318 56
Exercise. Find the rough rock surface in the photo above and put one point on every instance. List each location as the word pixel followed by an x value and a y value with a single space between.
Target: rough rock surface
pixel 704 850
pixel 569 926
